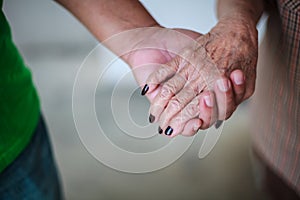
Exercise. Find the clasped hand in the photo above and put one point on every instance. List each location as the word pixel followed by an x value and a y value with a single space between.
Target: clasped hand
pixel 205 81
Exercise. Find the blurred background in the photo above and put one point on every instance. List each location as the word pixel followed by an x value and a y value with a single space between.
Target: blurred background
pixel 54 45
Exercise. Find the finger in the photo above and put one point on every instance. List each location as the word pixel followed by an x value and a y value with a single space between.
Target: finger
pixel 208 111
pixel 161 75
pixel 191 127
pixel 225 99
pixel 250 84
pixel 192 110
pixel 238 84
pixel 157 77
pixel 218 123
pixel 167 91
pixel 176 104
pixel 151 96
pixel 191 89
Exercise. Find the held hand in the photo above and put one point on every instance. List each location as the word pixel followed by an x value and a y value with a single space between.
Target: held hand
pixel 208 80
pixel 154 47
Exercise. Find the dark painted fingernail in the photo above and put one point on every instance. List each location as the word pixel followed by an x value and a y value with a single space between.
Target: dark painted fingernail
pixel 151 118
pixel 145 89
pixel 218 123
pixel 169 131
pixel 160 131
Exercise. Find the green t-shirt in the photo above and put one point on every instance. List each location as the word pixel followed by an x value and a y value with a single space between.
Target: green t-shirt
pixel 19 104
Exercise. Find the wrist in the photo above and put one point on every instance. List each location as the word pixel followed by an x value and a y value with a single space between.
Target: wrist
pixel 239 18
pixel 251 10
pixel 238 24
pixel 232 41
pixel 137 39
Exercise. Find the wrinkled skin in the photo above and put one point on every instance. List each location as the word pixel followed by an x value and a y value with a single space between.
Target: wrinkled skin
pixel 145 60
pixel 208 80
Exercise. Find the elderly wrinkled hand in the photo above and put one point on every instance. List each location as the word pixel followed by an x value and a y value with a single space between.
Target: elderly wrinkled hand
pixel 149 48
pixel 207 80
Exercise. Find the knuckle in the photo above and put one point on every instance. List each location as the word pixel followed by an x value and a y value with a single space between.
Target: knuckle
pixel 171 86
pixel 199 86
pixel 175 104
pixel 188 53
pixel 177 120
pixel 177 123
pixel 152 79
pixel 159 75
pixel 175 63
pixel 192 110
pixel 168 90
pixel 165 92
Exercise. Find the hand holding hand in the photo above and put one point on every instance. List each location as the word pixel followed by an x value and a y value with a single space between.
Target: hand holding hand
pixel 208 80
pixel 153 47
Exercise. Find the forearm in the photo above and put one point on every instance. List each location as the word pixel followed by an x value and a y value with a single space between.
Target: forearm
pixel 249 10
pixel 105 18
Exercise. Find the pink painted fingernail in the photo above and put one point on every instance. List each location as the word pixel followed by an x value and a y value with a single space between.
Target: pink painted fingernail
pixel 208 101
pixel 223 85
pixel 238 79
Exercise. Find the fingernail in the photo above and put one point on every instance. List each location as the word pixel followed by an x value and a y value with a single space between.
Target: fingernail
pixel 238 80
pixel 223 85
pixel 208 101
pixel 151 118
pixel 169 131
pixel 160 131
pixel 218 124
pixel 145 90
